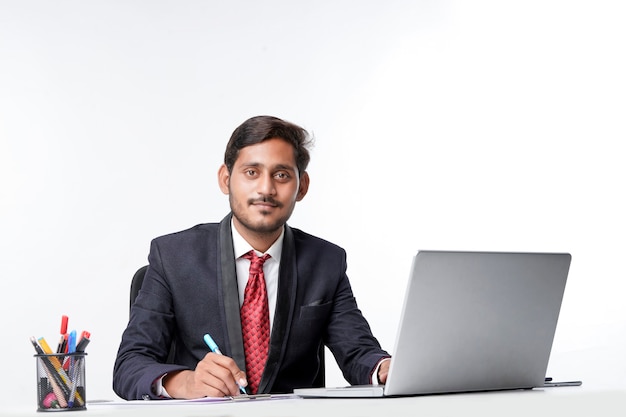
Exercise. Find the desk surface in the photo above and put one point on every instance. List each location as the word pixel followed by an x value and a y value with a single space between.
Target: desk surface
pixel 570 402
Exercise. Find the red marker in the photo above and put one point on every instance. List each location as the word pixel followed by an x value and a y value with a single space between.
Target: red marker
pixel 64 320
pixel 80 347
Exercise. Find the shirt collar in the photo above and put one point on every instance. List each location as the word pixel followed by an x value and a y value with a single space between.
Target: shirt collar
pixel 241 246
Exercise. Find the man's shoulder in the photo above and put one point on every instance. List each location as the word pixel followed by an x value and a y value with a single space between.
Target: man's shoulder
pixel 199 230
pixel 301 237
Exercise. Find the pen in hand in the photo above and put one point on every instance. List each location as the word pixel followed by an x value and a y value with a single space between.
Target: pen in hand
pixel 213 346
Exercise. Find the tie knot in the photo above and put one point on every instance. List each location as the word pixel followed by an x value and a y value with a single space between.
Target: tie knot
pixel 256 262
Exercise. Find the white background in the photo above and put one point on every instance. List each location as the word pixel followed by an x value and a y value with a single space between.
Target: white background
pixel 483 125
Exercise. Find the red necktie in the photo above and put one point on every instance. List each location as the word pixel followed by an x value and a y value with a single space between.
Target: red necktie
pixel 255 321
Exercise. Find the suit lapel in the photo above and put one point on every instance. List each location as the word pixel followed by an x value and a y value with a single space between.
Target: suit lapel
pixel 285 304
pixel 230 292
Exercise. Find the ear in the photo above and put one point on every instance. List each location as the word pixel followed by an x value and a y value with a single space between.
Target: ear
pixel 304 186
pixel 223 179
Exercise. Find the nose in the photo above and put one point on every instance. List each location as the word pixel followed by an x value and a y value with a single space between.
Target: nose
pixel 265 185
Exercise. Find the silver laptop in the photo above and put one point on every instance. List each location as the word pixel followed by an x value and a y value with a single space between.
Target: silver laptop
pixel 472 321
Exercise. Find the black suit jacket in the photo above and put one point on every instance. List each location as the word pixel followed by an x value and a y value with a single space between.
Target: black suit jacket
pixel 190 288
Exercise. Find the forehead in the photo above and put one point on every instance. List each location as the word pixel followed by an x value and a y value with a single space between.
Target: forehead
pixel 270 152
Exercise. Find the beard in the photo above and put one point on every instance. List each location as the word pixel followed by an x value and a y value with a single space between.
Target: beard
pixel 264 222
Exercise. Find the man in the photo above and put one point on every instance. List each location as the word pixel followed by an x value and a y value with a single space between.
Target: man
pixel 197 284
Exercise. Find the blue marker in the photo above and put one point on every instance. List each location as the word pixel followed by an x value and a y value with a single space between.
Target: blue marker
pixel 73 369
pixel 71 342
pixel 215 349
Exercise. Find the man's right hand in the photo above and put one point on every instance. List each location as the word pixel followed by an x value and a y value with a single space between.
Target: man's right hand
pixel 215 376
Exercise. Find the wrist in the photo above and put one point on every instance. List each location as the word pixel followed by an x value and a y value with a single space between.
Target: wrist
pixel 171 383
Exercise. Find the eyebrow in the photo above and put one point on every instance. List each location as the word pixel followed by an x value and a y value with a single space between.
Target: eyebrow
pixel 286 167
pixel 273 167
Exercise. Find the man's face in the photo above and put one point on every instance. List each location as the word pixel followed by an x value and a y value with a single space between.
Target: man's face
pixel 263 187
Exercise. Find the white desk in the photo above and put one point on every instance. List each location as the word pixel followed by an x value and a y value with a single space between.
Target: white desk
pixel 570 402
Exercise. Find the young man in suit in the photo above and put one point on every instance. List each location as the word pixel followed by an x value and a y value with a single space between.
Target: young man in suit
pixel 196 284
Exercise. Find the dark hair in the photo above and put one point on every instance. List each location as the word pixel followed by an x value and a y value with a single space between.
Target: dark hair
pixel 259 128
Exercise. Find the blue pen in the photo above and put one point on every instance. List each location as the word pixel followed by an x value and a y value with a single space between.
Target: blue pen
pixel 71 342
pixel 213 346
pixel 71 348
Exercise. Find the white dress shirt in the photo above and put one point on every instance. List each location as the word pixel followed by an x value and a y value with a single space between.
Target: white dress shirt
pixel 270 268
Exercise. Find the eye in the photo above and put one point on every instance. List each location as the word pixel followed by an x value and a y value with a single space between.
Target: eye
pixel 282 176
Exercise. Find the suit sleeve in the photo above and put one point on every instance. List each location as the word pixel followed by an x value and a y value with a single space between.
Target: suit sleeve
pixel 146 340
pixel 349 336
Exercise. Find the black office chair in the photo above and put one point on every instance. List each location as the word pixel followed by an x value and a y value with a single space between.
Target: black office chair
pixel 135 286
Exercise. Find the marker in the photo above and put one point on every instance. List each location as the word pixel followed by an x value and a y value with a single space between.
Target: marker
pixel 71 348
pixel 215 349
pixel 80 346
pixel 71 342
pixel 63 344
pixel 64 320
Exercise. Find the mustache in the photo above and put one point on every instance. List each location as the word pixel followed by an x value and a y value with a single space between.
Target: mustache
pixel 265 200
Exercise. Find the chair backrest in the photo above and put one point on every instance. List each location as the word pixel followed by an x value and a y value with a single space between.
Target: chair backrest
pixel 135 283
pixel 320 379
pixel 135 286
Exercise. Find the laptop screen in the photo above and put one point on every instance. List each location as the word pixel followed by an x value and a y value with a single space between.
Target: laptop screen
pixel 477 321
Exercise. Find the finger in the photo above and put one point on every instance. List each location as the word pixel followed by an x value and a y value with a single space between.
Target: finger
pixel 238 375
pixel 208 382
pixel 241 379
pixel 225 370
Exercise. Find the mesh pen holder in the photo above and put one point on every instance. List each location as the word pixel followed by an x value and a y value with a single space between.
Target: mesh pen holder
pixel 61 382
